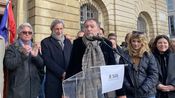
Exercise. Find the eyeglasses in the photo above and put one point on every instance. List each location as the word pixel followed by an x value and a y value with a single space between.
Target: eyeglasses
pixel 27 32
pixel 137 32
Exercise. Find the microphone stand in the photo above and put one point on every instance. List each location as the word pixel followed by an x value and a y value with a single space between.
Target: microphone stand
pixel 134 81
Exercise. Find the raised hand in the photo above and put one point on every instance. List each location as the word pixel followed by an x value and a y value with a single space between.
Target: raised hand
pixel 35 50
pixel 166 88
pixel 39 47
pixel 26 49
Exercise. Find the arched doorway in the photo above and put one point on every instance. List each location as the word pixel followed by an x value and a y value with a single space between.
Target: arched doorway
pixel 87 11
pixel 141 24
pixel 145 24
pixel 97 10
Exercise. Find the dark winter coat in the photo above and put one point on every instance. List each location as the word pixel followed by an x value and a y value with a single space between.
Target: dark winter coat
pixel 24 80
pixel 170 78
pixel 78 49
pixel 75 64
pixel 56 60
pixel 143 81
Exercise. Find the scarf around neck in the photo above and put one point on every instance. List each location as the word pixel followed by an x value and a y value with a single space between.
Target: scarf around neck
pixel 136 56
pixel 21 43
pixel 93 55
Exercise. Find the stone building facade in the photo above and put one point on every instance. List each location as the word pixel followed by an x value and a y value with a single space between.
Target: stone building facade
pixel 2 7
pixel 171 17
pixel 115 16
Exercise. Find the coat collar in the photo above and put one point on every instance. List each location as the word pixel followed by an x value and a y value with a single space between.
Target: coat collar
pixel 54 41
pixel 18 43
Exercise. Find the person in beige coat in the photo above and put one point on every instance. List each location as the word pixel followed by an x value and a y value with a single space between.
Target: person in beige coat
pixel 2 52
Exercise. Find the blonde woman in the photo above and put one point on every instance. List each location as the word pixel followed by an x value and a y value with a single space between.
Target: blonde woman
pixel 141 75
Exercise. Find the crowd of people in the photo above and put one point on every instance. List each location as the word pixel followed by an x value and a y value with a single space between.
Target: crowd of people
pixel 38 70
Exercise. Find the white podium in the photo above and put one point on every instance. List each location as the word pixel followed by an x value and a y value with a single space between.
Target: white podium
pixel 87 83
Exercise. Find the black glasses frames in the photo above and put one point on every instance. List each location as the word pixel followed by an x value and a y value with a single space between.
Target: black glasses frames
pixel 27 32
pixel 137 32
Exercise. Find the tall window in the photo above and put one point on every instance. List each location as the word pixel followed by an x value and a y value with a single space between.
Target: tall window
pixel 141 24
pixel 87 11
pixel 171 25
pixel 170 4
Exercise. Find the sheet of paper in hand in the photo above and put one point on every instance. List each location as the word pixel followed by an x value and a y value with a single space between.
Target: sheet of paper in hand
pixel 112 77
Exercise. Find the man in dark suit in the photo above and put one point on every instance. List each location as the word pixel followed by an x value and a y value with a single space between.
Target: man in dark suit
pixel 56 51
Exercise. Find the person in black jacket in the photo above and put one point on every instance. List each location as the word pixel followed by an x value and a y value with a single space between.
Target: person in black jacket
pixel 88 52
pixel 141 76
pixel 56 51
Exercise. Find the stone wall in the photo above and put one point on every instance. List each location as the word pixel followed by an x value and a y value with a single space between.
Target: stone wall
pixel 119 16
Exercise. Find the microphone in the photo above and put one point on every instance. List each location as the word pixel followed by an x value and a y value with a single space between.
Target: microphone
pixel 93 38
pixel 98 38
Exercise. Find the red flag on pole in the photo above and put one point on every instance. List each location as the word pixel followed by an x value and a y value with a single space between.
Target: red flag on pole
pixel 11 32
pixel 11 23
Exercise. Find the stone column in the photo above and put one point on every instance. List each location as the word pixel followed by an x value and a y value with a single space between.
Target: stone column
pixel 21 12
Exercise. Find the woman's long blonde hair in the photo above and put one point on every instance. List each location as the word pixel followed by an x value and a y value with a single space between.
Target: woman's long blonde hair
pixel 142 37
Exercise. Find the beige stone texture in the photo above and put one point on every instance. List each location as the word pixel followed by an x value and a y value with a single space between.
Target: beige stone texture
pixel 119 16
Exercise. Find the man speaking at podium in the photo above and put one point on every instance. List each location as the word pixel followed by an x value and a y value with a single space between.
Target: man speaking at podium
pixel 90 50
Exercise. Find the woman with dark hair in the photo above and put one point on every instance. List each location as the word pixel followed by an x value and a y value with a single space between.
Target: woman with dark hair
pixel 164 59
pixel 141 75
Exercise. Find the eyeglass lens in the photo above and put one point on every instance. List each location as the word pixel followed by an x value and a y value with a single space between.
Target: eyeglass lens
pixel 25 32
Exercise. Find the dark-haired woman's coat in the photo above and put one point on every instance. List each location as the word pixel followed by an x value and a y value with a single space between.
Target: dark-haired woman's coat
pixel 170 78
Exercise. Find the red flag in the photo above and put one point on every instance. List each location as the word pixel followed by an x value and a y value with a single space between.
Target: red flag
pixel 11 23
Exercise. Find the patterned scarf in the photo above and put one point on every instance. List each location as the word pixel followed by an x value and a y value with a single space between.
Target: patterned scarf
pixel 93 56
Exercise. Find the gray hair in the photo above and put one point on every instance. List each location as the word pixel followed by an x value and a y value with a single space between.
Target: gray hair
pixel 22 26
pixel 55 22
pixel 95 20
